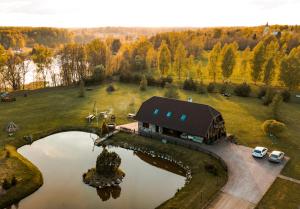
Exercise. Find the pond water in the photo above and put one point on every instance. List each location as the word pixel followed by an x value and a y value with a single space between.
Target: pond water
pixel 63 158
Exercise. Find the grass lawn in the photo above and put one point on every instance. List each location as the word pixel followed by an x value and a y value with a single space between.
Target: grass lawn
pixel 283 194
pixel 51 109
pixel 203 185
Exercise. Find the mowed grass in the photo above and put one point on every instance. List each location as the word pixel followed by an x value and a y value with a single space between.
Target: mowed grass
pixel 203 185
pixel 50 109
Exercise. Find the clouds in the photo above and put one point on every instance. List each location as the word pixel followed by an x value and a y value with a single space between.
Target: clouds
pixel 92 13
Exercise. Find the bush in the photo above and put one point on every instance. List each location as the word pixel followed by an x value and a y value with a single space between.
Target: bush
pixel 126 78
pixel 211 87
pixel 223 88
pixel 143 84
pixel 261 93
pixel 242 90
pixel 14 181
pixel 110 88
pixel 137 78
pixel 201 89
pixel 286 95
pixel 267 99
pixel 273 127
pixel 171 92
pixel 6 185
pixel 211 169
pixel 189 84
pixel 275 105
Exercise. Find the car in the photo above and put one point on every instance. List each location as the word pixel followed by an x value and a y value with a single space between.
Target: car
pixel 259 152
pixel 276 156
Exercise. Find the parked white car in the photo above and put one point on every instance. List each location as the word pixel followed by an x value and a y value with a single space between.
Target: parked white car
pixel 276 156
pixel 259 152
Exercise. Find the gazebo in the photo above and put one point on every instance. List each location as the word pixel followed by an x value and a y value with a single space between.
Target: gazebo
pixel 11 128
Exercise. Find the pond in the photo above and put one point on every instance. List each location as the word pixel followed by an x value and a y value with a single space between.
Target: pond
pixel 63 158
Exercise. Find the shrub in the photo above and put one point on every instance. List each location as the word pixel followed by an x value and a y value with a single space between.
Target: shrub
pixel 242 90
pixel 201 89
pixel 286 95
pixel 152 81
pixel 267 99
pixel 189 84
pixel 6 185
pixel 211 169
pixel 167 79
pixel 273 127
pixel 276 103
pixel 126 78
pixel 110 88
pixel 223 88
pixel 211 87
pixel 137 78
pixel 262 92
pixel 143 84
pixel 172 91
pixel 14 181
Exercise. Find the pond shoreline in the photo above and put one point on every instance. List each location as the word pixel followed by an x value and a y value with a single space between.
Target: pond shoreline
pixel 25 189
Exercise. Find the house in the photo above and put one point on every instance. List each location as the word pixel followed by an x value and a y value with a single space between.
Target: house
pixel 173 119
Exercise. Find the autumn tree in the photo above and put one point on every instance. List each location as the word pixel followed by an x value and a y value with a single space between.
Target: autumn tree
pixel 290 69
pixel 213 61
pixel 164 58
pixel 115 46
pixel 179 60
pixel 244 63
pixel 12 70
pixel 269 71
pixel 228 59
pixel 96 53
pixel 42 57
pixel 257 61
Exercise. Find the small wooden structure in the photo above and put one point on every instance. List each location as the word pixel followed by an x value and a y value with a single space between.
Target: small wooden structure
pixel 11 128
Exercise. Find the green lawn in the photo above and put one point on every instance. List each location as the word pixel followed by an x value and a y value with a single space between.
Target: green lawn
pixel 51 109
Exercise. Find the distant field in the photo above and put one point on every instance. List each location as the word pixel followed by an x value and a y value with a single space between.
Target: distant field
pixel 49 109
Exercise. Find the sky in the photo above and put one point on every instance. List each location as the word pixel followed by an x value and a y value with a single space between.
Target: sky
pixel 148 13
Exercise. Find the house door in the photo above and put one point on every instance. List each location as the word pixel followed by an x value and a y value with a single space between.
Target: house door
pixel 156 129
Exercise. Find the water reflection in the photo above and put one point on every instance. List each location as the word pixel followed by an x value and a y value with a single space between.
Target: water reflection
pixel 63 157
pixel 108 192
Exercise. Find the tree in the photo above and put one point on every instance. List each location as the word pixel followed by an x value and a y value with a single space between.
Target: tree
pixel 81 88
pixel 104 129
pixel 172 91
pixel 269 71
pixel 164 58
pixel 275 105
pixel 96 53
pixel 107 163
pixel 179 59
pixel 143 84
pixel 115 46
pixel 257 61
pixel 290 69
pixel 213 60
pixel 273 127
pixel 244 65
pixel 3 60
pixel 151 59
pixel 228 59
pixel 12 71
pixel 42 57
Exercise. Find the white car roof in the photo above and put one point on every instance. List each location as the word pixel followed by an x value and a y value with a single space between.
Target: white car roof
pixel 276 153
pixel 259 148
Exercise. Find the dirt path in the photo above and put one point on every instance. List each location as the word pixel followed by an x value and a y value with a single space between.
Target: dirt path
pixel 289 179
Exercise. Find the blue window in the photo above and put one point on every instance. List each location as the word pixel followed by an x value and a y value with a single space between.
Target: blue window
pixel 156 111
pixel 169 114
pixel 183 117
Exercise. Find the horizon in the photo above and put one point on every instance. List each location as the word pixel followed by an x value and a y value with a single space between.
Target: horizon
pixel 134 13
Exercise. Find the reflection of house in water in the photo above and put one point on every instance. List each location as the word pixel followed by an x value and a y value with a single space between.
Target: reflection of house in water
pixel 161 163
pixel 106 193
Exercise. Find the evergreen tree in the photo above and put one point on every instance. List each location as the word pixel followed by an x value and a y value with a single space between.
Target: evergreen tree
pixel 213 61
pixel 164 58
pixel 257 61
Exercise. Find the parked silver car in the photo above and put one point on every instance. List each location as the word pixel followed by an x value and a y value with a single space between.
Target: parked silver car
pixel 276 156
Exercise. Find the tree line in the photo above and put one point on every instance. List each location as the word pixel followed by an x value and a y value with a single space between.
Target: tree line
pixel 256 55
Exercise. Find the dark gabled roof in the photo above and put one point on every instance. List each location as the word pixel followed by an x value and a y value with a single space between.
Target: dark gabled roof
pixel 198 116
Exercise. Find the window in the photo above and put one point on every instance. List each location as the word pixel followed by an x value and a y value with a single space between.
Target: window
pixel 183 117
pixel 146 125
pixel 156 111
pixel 169 114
